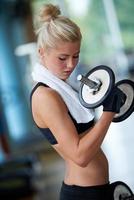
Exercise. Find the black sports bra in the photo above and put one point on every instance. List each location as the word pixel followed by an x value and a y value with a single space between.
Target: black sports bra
pixel 80 127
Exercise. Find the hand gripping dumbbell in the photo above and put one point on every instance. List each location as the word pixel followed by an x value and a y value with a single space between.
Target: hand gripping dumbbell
pixel 98 83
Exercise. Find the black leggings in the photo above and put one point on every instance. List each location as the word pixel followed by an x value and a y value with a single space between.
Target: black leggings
pixel 73 192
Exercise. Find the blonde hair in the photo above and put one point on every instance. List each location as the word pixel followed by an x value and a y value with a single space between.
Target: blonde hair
pixel 51 27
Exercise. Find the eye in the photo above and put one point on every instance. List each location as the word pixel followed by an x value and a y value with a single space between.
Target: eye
pixel 76 57
pixel 62 58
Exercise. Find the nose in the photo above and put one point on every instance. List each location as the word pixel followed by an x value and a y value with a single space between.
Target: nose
pixel 71 63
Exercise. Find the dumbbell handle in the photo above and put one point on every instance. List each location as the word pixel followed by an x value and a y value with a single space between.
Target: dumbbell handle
pixel 92 84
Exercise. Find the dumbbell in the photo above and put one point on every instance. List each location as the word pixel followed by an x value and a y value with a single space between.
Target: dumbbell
pixel 98 83
pixel 120 191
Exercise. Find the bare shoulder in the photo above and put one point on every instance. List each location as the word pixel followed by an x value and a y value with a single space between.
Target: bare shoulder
pixel 47 105
pixel 48 97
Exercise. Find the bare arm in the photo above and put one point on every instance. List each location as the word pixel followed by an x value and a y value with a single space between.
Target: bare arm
pixel 90 143
pixel 53 113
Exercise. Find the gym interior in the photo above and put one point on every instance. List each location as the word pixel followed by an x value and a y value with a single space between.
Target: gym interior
pixel 29 168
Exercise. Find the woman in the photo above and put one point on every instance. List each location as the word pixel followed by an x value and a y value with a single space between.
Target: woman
pixel 68 126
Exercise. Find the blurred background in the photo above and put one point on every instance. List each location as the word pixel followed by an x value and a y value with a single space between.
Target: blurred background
pixel 29 168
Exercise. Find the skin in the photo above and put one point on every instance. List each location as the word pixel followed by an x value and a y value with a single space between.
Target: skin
pixel 62 60
pixel 86 164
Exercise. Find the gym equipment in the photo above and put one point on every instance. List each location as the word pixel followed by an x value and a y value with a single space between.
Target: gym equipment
pixel 16 177
pixel 121 191
pixel 127 87
pixel 98 83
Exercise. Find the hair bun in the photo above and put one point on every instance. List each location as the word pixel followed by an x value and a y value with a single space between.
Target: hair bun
pixel 49 12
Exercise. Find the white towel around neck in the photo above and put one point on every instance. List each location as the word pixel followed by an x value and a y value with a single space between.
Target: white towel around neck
pixel 69 95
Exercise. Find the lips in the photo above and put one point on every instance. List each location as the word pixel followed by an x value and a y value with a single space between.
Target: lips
pixel 68 72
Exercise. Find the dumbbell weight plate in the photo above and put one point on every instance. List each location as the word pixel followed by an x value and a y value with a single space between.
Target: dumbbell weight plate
pixel 105 75
pixel 120 190
pixel 126 86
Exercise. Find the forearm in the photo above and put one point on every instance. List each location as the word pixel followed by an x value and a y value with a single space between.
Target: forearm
pixel 91 142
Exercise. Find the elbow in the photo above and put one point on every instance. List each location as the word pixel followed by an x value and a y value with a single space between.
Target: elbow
pixel 82 164
pixel 81 161
pixel 81 158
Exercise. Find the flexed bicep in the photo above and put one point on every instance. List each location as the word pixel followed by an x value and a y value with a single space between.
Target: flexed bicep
pixel 53 114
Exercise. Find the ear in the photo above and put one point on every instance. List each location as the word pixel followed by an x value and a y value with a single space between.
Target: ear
pixel 41 52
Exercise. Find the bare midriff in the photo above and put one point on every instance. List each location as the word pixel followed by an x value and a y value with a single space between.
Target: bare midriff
pixel 95 173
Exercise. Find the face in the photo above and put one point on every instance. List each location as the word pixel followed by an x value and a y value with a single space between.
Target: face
pixel 62 60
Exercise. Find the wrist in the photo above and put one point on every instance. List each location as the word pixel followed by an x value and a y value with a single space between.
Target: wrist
pixel 108 115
